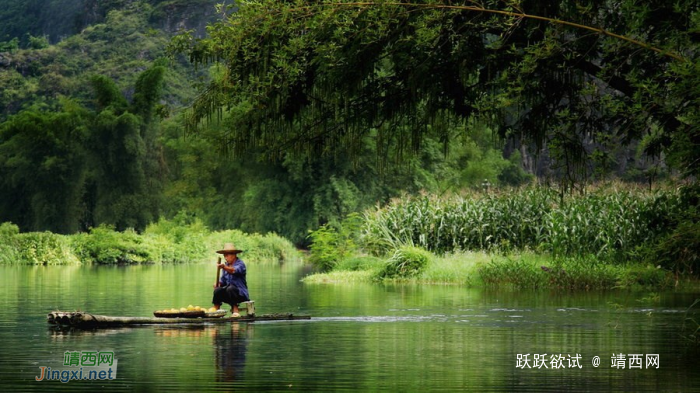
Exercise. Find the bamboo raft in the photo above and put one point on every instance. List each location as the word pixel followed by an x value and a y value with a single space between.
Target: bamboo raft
pixel 85 320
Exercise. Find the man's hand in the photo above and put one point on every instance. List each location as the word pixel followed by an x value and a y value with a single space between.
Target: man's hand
pixel 228 269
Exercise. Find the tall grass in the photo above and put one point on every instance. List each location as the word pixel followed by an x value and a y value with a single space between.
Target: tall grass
pixel 608 224
pixel 525 270
pixel 531 272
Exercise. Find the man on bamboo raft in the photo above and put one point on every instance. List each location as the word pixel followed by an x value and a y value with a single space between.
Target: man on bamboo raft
pixel 232 287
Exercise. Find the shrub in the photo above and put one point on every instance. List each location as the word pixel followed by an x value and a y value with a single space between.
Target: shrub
pixel 44 248
pixel 646 276
pixel 179 240
pixel 269 247
pixel 8 229
pixel 406 262
pixel 325 250
pixel 105 245
pixel 677 249
pixel 34 248
pixel 331 244
pixel 8 251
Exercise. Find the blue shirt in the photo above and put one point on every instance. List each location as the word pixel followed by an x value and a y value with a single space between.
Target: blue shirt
pixel 237 278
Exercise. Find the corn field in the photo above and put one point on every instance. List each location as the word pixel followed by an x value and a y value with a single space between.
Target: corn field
pixel 607 224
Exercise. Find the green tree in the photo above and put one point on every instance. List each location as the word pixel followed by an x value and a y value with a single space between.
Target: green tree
pixel 69 168
pixel 320 75
pixel 296 194
pixel 43 168
pixel 126 183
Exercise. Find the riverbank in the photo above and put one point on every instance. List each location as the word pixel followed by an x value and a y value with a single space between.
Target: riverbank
pixel 605 237
pixel 519 271
pixel 162 242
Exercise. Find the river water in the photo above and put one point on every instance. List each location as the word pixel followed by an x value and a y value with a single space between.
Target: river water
pixel 368 337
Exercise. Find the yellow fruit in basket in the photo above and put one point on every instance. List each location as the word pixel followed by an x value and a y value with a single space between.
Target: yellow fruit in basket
pixel 213 309
pixel 183 309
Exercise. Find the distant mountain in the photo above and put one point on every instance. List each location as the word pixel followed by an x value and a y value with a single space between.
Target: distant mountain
pixel 116 38
pixel 57 19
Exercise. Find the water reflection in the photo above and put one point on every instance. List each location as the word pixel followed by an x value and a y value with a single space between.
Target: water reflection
pixel 231 346
pixel 363 337
pixel 63 333
pixel 229 342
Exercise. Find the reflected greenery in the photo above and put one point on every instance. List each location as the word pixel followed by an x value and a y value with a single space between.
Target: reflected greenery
pixel 361 336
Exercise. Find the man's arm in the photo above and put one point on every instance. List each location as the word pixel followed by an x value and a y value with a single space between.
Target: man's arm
pixel 229 269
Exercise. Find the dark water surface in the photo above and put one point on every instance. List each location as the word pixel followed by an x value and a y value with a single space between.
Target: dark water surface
pixel 361 338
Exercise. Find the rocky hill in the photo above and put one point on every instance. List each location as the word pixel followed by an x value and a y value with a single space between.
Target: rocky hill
pixel 59 19
pixel 51 48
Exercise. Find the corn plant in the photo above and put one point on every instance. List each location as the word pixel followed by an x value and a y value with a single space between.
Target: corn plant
pixel 608 225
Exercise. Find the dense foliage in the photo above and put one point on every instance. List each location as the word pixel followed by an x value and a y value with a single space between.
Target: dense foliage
pixel 69 164
pixel 126 180
pixel 74 168
pixel 298 194
pixel 576 80
pixel 166 241
pixel 610 224
pixel 321 78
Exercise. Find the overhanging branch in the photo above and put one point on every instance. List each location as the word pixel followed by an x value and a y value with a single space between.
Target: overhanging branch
pixel 521 15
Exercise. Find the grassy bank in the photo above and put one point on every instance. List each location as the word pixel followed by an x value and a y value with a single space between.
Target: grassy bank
pixel 522 271
pixel 606 237
pixel 162 242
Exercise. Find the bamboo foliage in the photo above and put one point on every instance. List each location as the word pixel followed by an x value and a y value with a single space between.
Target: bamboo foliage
pixel 310 77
